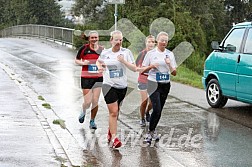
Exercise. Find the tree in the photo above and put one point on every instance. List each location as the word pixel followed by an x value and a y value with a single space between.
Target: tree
pixel 238 10
pixel 87 8
pixel 2 13
pixel 45 12
pixel 15 12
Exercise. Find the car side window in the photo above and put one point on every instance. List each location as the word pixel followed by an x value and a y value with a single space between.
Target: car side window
pixel 248 44
pixel 234 40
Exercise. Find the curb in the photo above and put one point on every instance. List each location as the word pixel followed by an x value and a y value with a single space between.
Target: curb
pixel 38 109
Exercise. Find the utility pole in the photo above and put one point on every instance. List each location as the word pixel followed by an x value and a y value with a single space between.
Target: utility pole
pixel 174 11
pixel 116 2
pixel 115 16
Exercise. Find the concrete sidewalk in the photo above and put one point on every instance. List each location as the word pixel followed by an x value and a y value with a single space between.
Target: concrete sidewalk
pixel 24 140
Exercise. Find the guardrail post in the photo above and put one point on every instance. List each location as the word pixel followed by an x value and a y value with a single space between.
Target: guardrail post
pixel 53 35
pixel 72 37
pixel 62 36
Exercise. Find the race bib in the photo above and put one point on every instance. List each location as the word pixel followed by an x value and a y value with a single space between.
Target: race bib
pixel 92 68
pixel 162 76
pixel 115 73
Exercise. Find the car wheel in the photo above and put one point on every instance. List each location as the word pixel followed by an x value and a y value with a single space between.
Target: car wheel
pixel 214 94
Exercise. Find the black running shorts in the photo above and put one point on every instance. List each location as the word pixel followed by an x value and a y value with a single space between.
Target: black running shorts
pixel 112 94
pixel 91 83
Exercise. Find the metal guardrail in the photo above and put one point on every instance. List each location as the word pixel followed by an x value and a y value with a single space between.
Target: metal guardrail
pixel 60 34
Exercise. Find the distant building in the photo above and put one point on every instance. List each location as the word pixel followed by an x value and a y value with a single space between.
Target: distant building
pixel 66 5
pixel 66 8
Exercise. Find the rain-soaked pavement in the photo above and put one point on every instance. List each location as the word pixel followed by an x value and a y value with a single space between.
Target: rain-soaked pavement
pixel 191 134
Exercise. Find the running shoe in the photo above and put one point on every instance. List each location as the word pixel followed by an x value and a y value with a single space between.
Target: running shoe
pixel 148 137
pixel 142 123
pixel 82 117
pixel 92 124
pixel 155 136
pixel 116 143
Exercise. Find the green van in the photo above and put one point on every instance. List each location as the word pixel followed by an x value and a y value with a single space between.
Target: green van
pixel 228 69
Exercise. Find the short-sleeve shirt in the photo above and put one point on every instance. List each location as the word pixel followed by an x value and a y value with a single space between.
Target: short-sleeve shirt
pixel 86 53
pixel 142 78
pixel 115 73
pixel 163 71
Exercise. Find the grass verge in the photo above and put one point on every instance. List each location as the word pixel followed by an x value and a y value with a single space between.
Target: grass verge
pixel 188 77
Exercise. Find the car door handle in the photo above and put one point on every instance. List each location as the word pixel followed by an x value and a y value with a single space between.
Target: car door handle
pixel 238 59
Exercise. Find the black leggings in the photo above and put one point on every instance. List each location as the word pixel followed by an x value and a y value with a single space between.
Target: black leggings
pixel 158 93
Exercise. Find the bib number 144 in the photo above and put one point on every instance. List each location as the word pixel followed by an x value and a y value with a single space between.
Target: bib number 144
pixel 162 77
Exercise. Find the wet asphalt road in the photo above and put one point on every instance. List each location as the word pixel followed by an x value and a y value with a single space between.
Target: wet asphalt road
pixel 191 135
